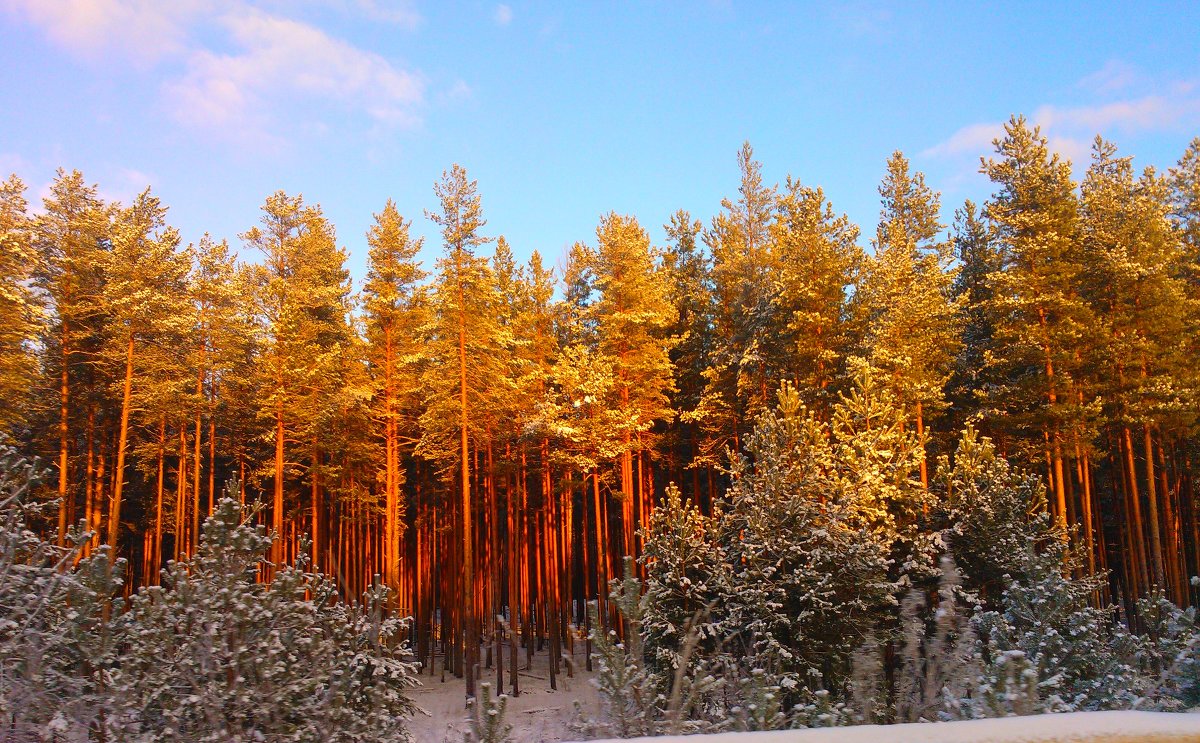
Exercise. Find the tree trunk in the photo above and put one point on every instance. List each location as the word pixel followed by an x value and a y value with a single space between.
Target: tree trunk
pixel 63 439
pixel 1152 500
pixel 114 512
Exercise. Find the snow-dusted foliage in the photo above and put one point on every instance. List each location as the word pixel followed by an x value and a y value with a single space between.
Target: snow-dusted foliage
pixel 1166 654
pixel 55 648
pixel 213 655
pixel 817 518
pixel 486 718
pixel 1043 644
pixel 995 513
pixel 633 694
pixel 685 582
pixel 643 697
pixel 784 605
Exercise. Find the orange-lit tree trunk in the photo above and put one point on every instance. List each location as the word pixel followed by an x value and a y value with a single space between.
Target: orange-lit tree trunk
pixel 468 587
pixel 1152 500
pixel 277 501
pixel 114 512
pixel 63 439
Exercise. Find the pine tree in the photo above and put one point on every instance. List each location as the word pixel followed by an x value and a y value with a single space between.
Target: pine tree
pixel 396 312
pixel 1132 255
pixel 819 258
pixel 20 310
pixel 904 299
pixel 690 293
pixel 1041 319
pixel 1185 200
pixel 978 259
pixel 147 280
pixel 816 514
pixel 462 351
pixel 71 238
pixel 739 241
pixel 631 315
pixel 302 291
pixel 687 574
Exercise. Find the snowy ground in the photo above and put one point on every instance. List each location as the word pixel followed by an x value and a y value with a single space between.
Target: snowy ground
pixel 539 714
pixel 542 714
pixel 1076 727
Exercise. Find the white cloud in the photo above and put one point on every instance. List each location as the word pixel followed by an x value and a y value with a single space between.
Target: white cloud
pixel 266 60
pixel 971 139
pixel 143 31
pixel 1141 114
pixel 279 59
pixel 503 15
pixel 400 12
pixel 1114 76
pixel 1070 129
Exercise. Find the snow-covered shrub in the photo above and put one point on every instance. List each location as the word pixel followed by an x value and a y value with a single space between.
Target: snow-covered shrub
pixel 1166 654
pixel 939 667
pixel 638 696
pixel 632 694
pixel 216 655
pixel 817 520
pixel 486 718
pixel 686 576
pixel 55 650
pixel 1047 617
pixel 995 514
pixel 213 655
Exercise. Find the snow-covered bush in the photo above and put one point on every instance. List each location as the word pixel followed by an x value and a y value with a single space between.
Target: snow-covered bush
pixel 216 655
pixel 638 696
pixel 633 695
pixel 995 514
pixel 55 648
pixel 213 655
pixel 1166 654
pixel 686 576
pixel 818 520
pixel 486 717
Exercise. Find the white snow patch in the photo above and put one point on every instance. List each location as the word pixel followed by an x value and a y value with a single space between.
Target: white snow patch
pixel 1073 727
pixel 539 714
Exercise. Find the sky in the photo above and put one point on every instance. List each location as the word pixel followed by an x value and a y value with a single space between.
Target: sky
pixel 566 111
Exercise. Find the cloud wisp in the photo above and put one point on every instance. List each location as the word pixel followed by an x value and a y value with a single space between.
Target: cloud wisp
pixel 502 15
pixel 268 64
pixel 281 58
pixel 1070 129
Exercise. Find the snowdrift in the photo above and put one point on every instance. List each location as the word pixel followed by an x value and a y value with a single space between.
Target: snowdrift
pixel 1073 727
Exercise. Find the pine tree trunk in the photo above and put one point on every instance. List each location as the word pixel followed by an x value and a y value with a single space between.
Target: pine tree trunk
pixel 1137 528
pixel 63 440
pixel 1152 500
pixel 316 507
pixel 468 587
pixel 277 504
pixel 114 512
pixel 924 457
pixel 158 501
pixel 196 463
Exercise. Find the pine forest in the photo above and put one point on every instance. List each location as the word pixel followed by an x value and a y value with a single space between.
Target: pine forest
pixel 782 470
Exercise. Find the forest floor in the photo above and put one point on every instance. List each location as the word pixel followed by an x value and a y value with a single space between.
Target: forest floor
pixel 538 714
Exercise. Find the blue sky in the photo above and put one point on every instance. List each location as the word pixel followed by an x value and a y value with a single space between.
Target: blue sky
pixel 565 111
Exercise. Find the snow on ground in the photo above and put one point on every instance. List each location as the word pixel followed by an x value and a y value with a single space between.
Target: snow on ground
pixel 539 714
pixel 1075 727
